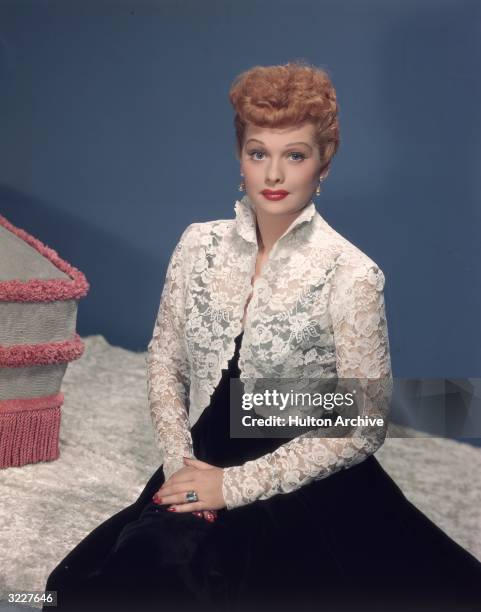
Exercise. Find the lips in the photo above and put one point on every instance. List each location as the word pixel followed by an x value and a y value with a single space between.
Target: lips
pixel 274 195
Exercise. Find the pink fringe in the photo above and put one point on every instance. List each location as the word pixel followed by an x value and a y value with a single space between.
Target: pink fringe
pixel 20 355
pixel 36 290
pixel 29 430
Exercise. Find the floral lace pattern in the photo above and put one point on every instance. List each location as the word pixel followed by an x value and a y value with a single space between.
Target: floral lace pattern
pixel 316 310
pixel 168 369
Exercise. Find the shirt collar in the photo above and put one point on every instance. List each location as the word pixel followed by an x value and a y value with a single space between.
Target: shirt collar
pixel 245 219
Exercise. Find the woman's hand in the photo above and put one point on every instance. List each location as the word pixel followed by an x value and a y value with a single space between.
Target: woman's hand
pixel 208 515
pixel 198 476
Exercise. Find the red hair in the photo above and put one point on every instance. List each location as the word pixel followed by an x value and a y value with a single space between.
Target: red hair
pixel 284 96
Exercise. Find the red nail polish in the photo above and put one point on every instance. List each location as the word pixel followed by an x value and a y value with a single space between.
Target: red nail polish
pixel 171 509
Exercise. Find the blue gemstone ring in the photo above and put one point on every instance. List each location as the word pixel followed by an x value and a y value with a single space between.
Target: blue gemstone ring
pixel 191 496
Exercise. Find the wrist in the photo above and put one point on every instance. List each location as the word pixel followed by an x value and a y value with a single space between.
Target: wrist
pixel 173 463
pixel 233 493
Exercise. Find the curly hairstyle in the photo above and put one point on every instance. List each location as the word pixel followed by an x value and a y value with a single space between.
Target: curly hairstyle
pixel 284 96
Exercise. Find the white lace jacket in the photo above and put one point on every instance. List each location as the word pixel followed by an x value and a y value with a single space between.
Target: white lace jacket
pixel 317 310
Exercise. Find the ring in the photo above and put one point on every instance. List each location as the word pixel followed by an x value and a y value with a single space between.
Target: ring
pixel 191 496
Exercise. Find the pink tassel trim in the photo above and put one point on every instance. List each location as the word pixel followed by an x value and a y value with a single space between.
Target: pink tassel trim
pixel 29 430
pixel 21 355
pixel 49 290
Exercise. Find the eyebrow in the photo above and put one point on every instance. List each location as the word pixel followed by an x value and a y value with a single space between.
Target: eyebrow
pixel 287 145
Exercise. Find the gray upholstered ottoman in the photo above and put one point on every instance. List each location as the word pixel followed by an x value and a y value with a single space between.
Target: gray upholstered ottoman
pixel 39 293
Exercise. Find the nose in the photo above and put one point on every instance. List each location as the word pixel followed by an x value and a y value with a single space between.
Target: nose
pixel 274 174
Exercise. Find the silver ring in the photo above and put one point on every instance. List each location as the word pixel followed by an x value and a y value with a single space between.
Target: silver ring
pixel 191 496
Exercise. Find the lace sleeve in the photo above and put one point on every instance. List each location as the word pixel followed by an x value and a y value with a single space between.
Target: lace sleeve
pixel 167 369
pixel 358 318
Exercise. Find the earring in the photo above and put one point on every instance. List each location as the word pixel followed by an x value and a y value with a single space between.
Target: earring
pixel 242 186
pixel 318 189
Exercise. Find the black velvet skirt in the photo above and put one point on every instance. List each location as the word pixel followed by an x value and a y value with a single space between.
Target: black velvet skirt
pixel 351 541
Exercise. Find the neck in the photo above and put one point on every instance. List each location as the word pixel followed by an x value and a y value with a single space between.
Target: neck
pixel 269 228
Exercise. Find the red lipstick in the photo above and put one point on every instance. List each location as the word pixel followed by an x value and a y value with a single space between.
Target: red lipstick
pixel 278 194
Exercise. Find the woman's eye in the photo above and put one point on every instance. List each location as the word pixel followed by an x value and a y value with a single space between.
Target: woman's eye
pixel 300 156
pixel 252 153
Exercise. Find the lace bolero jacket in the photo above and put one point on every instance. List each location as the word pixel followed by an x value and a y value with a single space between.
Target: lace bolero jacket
pixel 317 310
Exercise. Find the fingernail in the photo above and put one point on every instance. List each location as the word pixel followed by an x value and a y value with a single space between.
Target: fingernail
pixel 198 514
pixel 171 509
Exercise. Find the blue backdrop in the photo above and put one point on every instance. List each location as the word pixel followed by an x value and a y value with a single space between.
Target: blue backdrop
pixel 117 132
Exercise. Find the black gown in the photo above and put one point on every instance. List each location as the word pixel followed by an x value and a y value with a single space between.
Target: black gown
pixel 351 541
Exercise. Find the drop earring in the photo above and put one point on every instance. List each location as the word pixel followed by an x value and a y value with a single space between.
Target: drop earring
pixel 242 186
pixel 318 189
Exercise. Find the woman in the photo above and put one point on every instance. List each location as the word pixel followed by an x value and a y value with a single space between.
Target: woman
pixel 260 521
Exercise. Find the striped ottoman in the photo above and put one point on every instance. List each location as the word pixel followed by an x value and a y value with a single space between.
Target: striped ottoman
pixel 38 312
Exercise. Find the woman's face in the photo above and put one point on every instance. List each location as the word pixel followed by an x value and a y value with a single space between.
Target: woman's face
pixel 286 160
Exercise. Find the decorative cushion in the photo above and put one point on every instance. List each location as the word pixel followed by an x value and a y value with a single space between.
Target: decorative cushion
pixel 39 293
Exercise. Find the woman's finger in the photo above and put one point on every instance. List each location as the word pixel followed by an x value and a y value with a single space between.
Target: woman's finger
pixel 175 498
pixel 208 515
pixel 175 487
pixel 197 463
pixel 186 507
